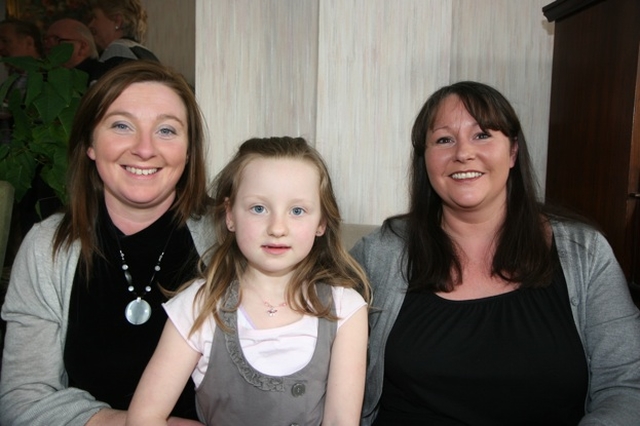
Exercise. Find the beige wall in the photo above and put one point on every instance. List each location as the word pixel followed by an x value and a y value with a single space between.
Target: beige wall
pixel 171 34
pixel 350 76
pixel 510 46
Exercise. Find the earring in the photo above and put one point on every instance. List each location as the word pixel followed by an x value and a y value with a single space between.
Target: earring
pixel 230 227
pixel 117 27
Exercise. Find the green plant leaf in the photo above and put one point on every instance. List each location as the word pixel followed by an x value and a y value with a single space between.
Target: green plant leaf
pixel 26 63
pixel 67 115
pixel 19 170
pixel 60 81
pixel 40 144
pixel 49 104
pixel 43 116
pixel 59 55
pixel 21 121
pixel 55 173
pixel 35 83
pixel 79 80
pixel 47 140
pixel 6 85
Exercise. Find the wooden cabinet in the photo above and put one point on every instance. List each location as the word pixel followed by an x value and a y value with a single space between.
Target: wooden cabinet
pixel 593 163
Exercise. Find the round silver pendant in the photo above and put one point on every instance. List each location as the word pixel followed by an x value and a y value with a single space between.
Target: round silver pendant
pixel 137 311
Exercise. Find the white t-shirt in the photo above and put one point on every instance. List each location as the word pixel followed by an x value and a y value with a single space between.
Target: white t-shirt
pixel 276 351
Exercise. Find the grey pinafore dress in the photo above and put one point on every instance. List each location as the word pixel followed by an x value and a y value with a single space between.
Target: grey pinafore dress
pixel 233 393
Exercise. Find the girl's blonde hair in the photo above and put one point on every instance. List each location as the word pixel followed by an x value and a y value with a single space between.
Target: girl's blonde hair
pixel 328 262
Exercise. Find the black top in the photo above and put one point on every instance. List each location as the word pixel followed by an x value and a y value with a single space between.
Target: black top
pixel 105 354
pixel 140 52
pixel 93 67
pixel 511 359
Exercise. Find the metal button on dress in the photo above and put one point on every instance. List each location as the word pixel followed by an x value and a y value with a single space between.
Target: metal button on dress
pixel 298 389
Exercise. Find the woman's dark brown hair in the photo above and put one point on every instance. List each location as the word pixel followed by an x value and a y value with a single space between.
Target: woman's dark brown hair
pixel 522 253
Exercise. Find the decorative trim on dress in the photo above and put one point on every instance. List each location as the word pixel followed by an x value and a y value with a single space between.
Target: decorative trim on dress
pixel 250 374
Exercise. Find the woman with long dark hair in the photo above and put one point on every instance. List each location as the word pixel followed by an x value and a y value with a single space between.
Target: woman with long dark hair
pixel 489 309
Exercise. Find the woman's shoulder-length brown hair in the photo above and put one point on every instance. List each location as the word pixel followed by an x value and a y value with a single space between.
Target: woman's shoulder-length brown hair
pixel 84 185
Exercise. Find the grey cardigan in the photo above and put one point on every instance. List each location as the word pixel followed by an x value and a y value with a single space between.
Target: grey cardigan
pixel 606 318
pixel 34 386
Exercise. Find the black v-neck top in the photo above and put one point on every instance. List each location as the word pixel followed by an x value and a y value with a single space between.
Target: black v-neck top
pixel 105 354
pixel 511 359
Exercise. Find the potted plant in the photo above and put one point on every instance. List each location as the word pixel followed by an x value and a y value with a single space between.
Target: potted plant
pixel 42 119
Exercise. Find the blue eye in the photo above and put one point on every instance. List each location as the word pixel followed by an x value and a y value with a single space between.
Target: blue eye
pixel 167 131
pixel 120 126
pixel 258 209
pixel 297 211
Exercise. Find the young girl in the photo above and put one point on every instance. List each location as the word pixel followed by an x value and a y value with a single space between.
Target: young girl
pixel 275 333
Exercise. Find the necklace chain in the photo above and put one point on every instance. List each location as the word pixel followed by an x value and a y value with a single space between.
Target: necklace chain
pixel 271 310
pixel 129 278
pixel 138 310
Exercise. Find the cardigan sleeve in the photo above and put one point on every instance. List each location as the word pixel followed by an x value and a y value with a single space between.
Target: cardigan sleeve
pixel 612 342
pixel 380 255
pixel 33 385
pixel 610 327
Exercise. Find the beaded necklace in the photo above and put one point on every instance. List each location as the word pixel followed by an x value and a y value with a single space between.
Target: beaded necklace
pixel 138 311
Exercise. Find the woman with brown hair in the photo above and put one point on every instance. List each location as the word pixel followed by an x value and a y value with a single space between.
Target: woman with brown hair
pixel 83 308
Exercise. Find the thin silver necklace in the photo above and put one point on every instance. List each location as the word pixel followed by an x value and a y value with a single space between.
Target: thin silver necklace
pixel 138 311
pixel 272 310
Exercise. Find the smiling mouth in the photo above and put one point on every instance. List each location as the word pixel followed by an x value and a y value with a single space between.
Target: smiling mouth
pixel 466 175
pixel 141 172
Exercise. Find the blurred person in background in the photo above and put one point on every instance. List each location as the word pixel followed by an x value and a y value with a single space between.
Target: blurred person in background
pixel 17 38
pixel 119 28
pixel 85 52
